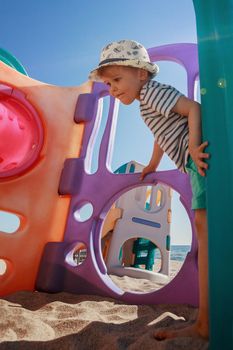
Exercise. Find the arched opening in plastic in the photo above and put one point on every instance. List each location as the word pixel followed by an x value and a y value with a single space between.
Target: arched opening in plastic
pixel 140 259
pixel 21 133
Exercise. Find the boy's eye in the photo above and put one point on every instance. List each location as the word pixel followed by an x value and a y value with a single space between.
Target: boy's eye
pixel 117 79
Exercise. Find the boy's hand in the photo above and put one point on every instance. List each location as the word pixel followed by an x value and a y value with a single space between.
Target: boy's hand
pixel 198 154
pixel 148 169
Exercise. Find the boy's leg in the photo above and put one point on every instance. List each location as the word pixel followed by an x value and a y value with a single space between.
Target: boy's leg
pixel 202 237
pixel 201 327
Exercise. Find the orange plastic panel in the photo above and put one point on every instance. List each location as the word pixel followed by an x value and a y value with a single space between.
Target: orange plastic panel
pixel 33 195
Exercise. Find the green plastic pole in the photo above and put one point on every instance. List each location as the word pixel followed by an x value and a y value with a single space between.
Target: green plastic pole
pixel 215 45
pixel 11 61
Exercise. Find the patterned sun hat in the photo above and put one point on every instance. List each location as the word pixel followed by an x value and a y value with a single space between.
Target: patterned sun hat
pixel 124 53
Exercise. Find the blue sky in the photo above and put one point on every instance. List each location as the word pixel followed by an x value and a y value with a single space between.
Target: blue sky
pixel 59 42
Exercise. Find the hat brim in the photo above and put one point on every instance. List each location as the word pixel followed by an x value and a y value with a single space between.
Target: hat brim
pixel 149 66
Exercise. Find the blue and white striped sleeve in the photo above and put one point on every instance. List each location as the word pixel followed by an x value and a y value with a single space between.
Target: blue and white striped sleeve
pixel 162 98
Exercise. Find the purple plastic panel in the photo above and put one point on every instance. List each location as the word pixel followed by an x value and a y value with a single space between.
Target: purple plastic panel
pixel 85 107
pixel 58 271
pixel 184 54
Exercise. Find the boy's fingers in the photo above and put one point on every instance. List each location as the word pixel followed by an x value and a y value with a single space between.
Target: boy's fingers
pixel 203 145
pixel 204 155
pixel 202 165
pixel 201 172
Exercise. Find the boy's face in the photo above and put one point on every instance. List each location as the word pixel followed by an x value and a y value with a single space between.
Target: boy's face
pixel 125 82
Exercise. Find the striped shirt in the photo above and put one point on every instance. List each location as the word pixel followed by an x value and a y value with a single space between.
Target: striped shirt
pixel 169 129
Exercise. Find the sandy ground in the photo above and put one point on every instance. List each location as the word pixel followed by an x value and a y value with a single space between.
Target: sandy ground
pixel 34 320
pixel 129 284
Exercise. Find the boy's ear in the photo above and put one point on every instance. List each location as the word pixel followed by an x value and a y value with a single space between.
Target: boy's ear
pixel 143 74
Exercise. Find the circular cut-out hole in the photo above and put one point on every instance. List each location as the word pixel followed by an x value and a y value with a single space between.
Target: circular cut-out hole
pixel 3 267
pixel 155 217
pixel 84 213
pixel 77 255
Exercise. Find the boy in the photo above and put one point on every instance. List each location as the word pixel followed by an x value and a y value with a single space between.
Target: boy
pixel 175 122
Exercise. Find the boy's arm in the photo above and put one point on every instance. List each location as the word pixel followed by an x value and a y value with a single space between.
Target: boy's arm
pixel 192 110
pixel 154 162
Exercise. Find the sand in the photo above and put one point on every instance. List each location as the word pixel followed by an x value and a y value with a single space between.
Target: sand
pixel 142 285
pixel 35 320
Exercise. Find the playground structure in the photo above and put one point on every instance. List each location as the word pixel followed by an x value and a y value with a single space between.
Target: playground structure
pixel 145 212
pixel 58 180
pixel 215 28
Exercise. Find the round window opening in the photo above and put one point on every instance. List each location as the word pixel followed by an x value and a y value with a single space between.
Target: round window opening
pixel 145 238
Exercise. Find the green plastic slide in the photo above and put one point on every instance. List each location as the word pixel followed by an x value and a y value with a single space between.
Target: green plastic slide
pixel 215 45
pixel 11 61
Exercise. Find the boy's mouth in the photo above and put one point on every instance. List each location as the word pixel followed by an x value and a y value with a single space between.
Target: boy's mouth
pixel 120 95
